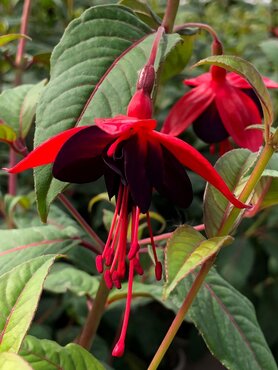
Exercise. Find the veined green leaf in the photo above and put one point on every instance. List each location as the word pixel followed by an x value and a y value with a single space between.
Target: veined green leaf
pixel 46 354
pixel 20 245
pixel 64 277
pixel 227 321
pixel 187 249
pixel 21 289
pixel 12 361
pixel 94 70
pixel 232 166
pixel 18 107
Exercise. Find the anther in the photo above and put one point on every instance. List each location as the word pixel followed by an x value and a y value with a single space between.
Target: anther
pixel 99 263
pixel 108 279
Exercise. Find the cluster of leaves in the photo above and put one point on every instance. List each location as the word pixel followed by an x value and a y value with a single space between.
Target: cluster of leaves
pixel 28 249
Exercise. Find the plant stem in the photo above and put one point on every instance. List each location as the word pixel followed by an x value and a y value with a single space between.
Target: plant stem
pixel 170 15
pixel 217 47
pixel 93 319
pixel 22 41
pixel 18 78
pixel 224 230
pixel 67 204
pixel 181 313
pixel 166 235
pixel 12 177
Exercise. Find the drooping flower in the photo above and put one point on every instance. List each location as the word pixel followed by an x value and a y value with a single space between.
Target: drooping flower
pixel 134 159
pixel 220 105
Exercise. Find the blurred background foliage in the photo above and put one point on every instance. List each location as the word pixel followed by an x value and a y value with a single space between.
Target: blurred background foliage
pixel 248 29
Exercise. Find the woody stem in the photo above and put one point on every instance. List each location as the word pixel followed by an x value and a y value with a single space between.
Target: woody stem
pixel 170 15
pixel 93 319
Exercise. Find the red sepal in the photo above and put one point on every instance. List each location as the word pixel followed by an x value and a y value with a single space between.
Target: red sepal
pixel 46 152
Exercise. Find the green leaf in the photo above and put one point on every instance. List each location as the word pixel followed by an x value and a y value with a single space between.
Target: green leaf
pixel 271 197
pixel 138 290
pixel 19 245
pixel 266 191
pixel 91 83
pixel 21 289
pixel 235 262
pixel 46 354
pixel 11 361
pixel 5 39
pixel 29 106
pixel 227 321
pixel 7 133
pixel 10 203
pixel 186 249
pixel 178 59
pixel 143 11
pixel 18 106
pixel 63 278
pixel 232 167
pixel 250 73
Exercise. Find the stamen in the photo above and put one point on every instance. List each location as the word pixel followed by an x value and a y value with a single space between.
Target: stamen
pixel 113 224
pixel 134 246
pixel 120 345
pixel 109 255
pixel 108 279
pixel 120 251
pixel 99 263
pixel 116 280
pixel 137 266
pixel 158 265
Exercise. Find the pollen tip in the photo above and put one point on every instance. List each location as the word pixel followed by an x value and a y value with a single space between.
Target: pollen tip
pixel 109 257
pixel 138 268
pixel 133 251
pixel 108 279
pixel 116 280
pixel 119 349
pixel 158 271
pixel 99 263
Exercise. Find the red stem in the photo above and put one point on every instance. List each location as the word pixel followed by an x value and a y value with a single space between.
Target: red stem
pixel 81 221
pixel 167 235
pixel 17 81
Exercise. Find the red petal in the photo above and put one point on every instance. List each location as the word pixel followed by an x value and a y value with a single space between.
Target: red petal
pixel 237 81
pixel 192 159
pixel 119 124
pixel 187 109
pixel 46 152
pixel 80 158
pixel 204 78
pixel 135 158
pixel 238 111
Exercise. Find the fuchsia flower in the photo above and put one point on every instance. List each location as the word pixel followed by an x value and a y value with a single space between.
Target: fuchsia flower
pixel 220 105
pixel 134 159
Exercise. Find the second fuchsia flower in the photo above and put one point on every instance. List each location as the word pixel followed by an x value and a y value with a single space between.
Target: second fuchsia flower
pixel 220 105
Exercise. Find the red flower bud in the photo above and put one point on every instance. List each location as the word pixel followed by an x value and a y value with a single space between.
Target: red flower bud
pixel 140 105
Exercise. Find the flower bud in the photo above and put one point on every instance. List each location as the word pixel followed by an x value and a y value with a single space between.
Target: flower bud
pixel 146 79
pixel 140 105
